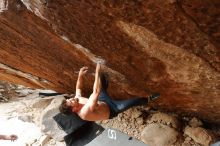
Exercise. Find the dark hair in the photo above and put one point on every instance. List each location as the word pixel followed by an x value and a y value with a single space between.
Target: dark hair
pixel 65 109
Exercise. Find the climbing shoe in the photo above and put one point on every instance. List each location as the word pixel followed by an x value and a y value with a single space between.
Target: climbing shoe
pixel 153 97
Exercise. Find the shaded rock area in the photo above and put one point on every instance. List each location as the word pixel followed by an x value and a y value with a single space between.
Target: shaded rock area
pixel 169 46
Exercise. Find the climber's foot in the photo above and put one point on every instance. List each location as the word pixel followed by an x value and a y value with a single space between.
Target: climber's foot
pixel 153 97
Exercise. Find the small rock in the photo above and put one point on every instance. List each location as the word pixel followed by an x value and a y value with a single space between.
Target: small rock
pixel 30 142
pixel 135 114
pixel 187 139
pixel 44 139
pixel 194 122
pixel 186 118
pixel 140 121
pixel 199 135
pixel 105 121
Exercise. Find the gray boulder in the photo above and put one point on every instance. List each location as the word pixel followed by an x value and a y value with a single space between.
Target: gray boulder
pixel 48 125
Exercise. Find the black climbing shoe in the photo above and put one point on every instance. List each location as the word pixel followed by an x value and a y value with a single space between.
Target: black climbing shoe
pixel 153 97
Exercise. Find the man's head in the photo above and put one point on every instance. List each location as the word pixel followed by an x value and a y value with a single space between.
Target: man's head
pixel 69 105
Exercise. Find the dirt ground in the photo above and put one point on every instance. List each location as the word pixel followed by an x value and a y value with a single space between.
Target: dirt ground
pixel 134 120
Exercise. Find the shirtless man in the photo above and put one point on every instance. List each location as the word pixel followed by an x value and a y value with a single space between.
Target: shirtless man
pixel 99 106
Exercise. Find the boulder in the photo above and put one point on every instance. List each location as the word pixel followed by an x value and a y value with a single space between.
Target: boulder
pixel 199 135
pixel 157 134
pixel 48 125
pixel 165 119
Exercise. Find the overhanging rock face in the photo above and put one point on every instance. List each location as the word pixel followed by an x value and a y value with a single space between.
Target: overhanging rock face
pixel 165 46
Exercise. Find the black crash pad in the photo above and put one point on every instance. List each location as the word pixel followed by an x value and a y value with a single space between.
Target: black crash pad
pixel 84 134
pixel 69 123
pixel 79 132
pixel 111 137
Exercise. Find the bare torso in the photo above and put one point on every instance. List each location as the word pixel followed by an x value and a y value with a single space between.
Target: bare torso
pixel 101 111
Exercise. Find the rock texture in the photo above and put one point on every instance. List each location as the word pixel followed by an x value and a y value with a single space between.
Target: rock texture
pixel 165 119
pixel 168 46
pixel 199 135
pixel 159 135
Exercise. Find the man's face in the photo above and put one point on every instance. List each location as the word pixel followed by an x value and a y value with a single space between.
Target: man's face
pixel 73 102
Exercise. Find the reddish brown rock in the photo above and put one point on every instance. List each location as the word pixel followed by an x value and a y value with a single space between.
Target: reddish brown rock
pixel 168 46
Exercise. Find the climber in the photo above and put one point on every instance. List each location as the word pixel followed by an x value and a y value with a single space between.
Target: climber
pixel 11 137
pixel 99 106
